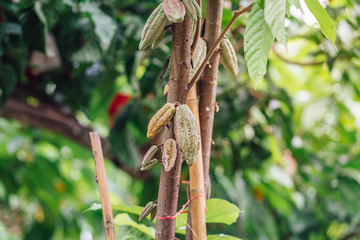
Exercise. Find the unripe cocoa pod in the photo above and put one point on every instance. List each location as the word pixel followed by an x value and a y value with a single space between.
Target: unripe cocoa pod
pixel 228 56
pixel 197 8
pixel 174 10
pixel 187 133
pixel 198 57
pixel 160 119
pixel 158 40
pixel 169 154
pixel 149 164
pixel 153 213
pixel 153 27
pixel 147 210
pixel 190 9
pixel 149 155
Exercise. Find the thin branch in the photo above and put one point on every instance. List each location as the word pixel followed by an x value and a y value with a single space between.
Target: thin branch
pixel 102 183
pixel 61 120
pixel 237 13
pixel 295 62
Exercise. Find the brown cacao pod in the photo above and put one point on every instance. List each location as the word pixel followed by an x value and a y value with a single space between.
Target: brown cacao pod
pixel 169 154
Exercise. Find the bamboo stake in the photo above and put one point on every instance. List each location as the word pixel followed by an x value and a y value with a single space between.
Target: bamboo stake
pixel 101 180
pixel 198 205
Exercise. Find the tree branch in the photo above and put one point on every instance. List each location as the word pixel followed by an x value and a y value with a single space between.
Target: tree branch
pixel 61 120
pixel 294 62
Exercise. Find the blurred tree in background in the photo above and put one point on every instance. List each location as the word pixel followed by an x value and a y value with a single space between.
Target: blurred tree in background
pixel 286 152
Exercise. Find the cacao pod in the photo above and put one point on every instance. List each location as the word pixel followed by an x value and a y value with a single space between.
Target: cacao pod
pixel 190 9
pixel 228 56
pixel 174 10
pixel 153 27
pixel 149 164
pixel 169 154
pixel 187 133
pixel 149 154
pixel 198 57
pixel 147 210
pixel 160 119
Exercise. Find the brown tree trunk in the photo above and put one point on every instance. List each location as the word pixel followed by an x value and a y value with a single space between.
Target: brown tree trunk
pixel 170 181
pixel 208 84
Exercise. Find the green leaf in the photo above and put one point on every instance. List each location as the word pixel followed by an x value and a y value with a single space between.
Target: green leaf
pixel 34 27
pixel 7 82
pixel 105 27
pixel 275 18
pixel 222 237
pixel 221 211
pixel 123 219
pixel 326 23
pixel 90 52
pixel 296 3
pixel 258 40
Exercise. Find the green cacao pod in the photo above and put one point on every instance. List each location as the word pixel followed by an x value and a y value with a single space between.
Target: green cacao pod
pixel 228 56
pixel 174 10
pixel 187 133
pixel 153 27
pixel 198 57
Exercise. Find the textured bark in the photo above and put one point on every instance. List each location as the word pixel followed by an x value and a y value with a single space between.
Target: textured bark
pixel 170 181
pixel 61 121
pixel 208 84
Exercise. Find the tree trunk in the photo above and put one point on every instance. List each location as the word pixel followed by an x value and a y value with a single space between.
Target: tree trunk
pixel 208 84
pixel 179 75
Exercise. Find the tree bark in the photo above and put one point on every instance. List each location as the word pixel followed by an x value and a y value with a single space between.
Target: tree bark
pixel 208 84
pixel 170 181
pixel 60 120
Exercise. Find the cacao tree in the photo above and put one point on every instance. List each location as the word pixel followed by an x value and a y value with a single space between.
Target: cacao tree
pixel 285 152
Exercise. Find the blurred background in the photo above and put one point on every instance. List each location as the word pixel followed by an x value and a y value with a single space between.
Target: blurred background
pixel 285 152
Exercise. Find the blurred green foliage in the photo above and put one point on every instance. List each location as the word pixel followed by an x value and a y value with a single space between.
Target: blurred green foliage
pixel 287 152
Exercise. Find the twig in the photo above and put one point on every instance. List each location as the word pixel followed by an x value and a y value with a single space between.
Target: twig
pixel 101 179
pixel 237 13
pixel 294 62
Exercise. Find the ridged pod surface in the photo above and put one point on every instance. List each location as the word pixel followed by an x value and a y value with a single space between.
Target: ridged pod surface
pixel 169 154
pixel 160 119
pixel 147 210
pixel 198 57
pixel 149 164
pixel 187 133
pixel 149 154
pixel 174 10
pixel 190 9
pixel 153 27
pixel 158 40
pixel 197 8
pixel 228 56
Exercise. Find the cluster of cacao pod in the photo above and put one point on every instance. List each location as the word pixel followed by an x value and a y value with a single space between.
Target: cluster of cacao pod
pixel 187 136
pixel 168 11
pixel 150 208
